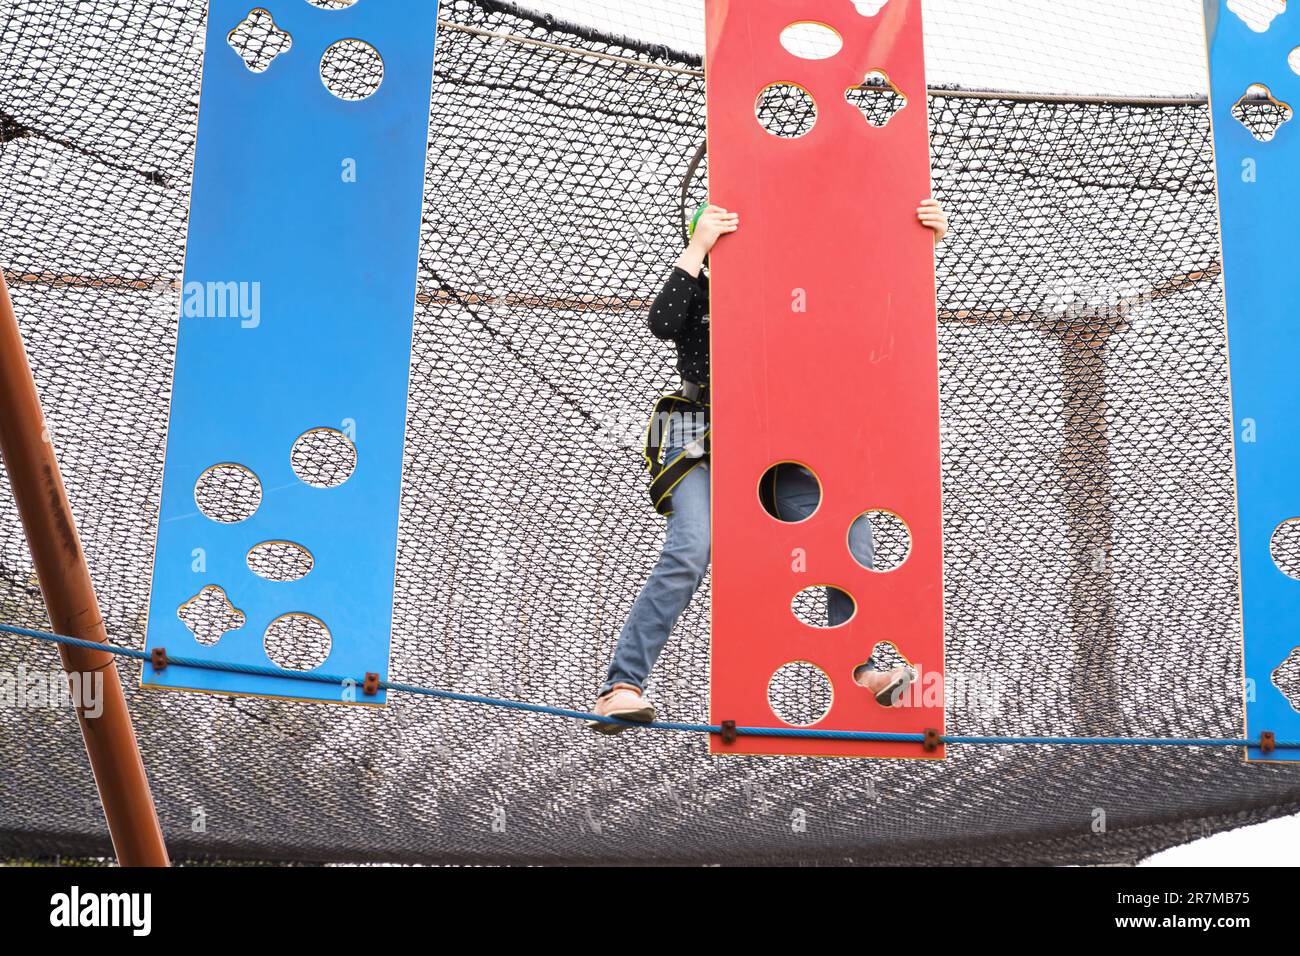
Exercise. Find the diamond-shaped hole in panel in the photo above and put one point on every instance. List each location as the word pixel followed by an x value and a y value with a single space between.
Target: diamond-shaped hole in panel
pixel 790 491
pixel 786 110
pixel 877 97
pixel 1284 546
pixel 352 69
pixel 332 4
pixel 297 642
pixel 1260 112
pixel 1257 14
pixel 280 561
pixel 810 40
pixel 228 493
pixel 800 693
pixel 884 658
pixel 209 615
pixel 1287 678
pixel 323 457
pixel 823 606
pixel 879 540
pixel 258 41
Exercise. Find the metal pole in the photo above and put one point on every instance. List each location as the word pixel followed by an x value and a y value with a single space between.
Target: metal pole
pixel 28 455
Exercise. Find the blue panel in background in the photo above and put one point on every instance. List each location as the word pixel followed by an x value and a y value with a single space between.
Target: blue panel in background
pixel 304 223
pixel 1259 210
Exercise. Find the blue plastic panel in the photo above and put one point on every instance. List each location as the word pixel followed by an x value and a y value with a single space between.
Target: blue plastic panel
pixel 1259 210
pixel 311 205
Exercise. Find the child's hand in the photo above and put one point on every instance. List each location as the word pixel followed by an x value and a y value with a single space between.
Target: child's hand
pixel 932 216
pixel 715 222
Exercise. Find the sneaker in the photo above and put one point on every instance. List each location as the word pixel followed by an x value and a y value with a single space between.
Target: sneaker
pixel 624 702
pixel 887 686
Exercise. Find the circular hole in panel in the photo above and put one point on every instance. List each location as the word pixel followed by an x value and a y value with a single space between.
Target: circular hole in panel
pixel 810 40
pixel 332 4
pixel 790 491
pixel 823 606
pixel 297 642
pixel 879 540
pixel 228 493
pixel 323 457
pixel 1284 546
pixel 799 693
pixel 279 561
pixel 352 69
pixel 785 110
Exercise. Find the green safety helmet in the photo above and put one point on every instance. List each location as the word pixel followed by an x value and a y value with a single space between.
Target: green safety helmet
pixel 690 230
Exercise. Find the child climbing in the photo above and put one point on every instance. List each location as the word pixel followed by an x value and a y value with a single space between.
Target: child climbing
pixel 677 456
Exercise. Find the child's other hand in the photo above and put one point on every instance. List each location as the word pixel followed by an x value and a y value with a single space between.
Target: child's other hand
pixel 932 216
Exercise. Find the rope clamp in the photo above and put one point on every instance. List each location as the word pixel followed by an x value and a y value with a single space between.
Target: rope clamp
pixel 158 659
pixel 371 687
pixel 729 734
pixel 932 740
pixel 1267 741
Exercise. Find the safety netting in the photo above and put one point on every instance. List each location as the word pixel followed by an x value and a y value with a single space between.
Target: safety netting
pixel 1090 543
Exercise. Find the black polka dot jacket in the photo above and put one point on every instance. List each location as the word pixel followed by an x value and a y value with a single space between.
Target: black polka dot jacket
pixel 680 314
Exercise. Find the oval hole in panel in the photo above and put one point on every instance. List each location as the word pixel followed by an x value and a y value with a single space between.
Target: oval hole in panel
pixel 280 561
pixel 823 605
pixel 810 40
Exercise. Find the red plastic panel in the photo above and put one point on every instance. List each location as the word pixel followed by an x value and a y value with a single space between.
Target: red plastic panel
pixel 824 352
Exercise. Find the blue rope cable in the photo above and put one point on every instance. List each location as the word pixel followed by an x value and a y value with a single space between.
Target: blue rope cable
pixel 805 732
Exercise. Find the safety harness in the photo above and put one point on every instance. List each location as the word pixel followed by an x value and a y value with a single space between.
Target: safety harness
pixel 666 475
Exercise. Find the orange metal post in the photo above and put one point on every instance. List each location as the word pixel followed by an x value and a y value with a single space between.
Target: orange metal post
pixel 70 600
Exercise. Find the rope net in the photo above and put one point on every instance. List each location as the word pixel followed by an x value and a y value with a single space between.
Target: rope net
pixel 1090 535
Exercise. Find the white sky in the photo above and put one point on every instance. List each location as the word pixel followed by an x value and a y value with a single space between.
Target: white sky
pixel 1266 844
pixel 1118 47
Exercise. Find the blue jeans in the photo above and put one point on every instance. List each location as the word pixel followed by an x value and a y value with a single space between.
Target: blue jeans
pixel 685 557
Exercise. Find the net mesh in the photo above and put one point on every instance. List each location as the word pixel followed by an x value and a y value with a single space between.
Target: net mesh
pixel 1087 461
